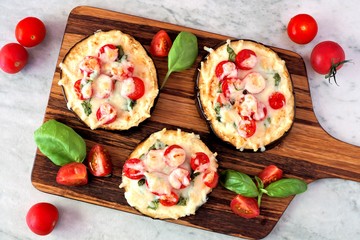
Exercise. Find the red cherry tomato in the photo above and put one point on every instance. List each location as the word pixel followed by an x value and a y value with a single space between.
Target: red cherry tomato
pixel 160 44
pixel 106 113
pixel 72 174
pixel 327 57
pixel 108 53
pixel 90 65
pixel 78 90
pixel 225 87
pixel 134 169
pixel 245 207
pixel 13 58
pixel 247 127
pixel 199 162
pixel 225 69
pixel 169 200
pixel 270 174
pixel 302 28
pixel 99 162
pixel 30 31
pixel 277 100
pixel 210 179
pixel 42 218
pixel 179 178
pixel 174 155
pixel 139 89
pixel 246 59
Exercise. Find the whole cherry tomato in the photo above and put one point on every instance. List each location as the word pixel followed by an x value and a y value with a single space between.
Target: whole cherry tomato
pixel 302 28
pixel 245 207
pixel 42 218
pixel 30 31
pixel 13 58
pixel 160 44
pixel 326 58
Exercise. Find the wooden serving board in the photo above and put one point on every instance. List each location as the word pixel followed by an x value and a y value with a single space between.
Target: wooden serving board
pixel 307 152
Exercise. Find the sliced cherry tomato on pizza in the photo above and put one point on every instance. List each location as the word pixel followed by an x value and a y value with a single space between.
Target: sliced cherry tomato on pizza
pixel 108 53
pixel 210 178
pixel 169 200
pixel 72 174
pixel 261 112
pixel 138 90
pixel 122 70
pixel 246 59
pixel 90 66
pixel 245 207
pixel 106 113
pixel 270 174
pixel 83 91
pixel 160 44
pixel 134 169
pixel 179 178
pixel 277 100
pixel 158 183
pixel 99 161
pixel 225 87
pixel 199 162
pixel 247 127
pixel 225 69
pixel 174 155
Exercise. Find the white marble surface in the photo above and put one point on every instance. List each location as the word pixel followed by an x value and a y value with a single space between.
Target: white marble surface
pixel 330 209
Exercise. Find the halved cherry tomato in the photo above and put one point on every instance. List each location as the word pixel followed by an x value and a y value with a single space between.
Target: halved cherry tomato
pixel 103 86
pixel 199 162
pixel 134 169
pixel 277 100
pixel 13 58
pixel 99 161
pixel 108 53
pixel 225 87
pixel 179 178
pixel 83 92
pixel 90 65
pixel 160 44
pixel 210 178
pixel 245 207
pixel 270 174
pixel 139 89
pixel 30 31
pixel 106 113
pixel 225 69
pixel 174 155
pixel 302 28
pixel 246 59
pixel 42 218
pixel 72 174
pixel 247 127
pixel 261 112
pixel 169 200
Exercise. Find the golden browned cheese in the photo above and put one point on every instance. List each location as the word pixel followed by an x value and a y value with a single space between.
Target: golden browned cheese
pixel 195 194
pixel 224 120
pixel 143 68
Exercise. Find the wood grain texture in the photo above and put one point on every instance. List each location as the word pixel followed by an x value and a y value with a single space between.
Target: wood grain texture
pixel 307 152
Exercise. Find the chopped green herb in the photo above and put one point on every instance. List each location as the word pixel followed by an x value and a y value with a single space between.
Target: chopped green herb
pixel 267 122
pixel 158 145
pixel 277 79
pixel 194 175
pixel 121 53
pixel 217 111
pixel 182 201
pixel 154 204
pixel 232 54
pixel 141 182
pixel 87 107
pixel 130 104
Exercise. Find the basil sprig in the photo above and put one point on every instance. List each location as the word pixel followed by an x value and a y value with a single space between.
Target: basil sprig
pixel 243 184
pixel 182 54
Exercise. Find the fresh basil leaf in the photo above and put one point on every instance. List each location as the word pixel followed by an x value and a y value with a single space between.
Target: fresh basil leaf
pixel 286 187
pixel 277 79
pixel 158 145
pixel 232 54
pixel 182 201
pixel 87 107
pixel 182 54
pixel 154 204
pixel 239 183
pixel 60 143
pixel 120 53
pixel 141 182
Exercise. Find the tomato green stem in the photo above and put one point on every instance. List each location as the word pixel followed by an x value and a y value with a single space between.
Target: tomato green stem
pixel 333 71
